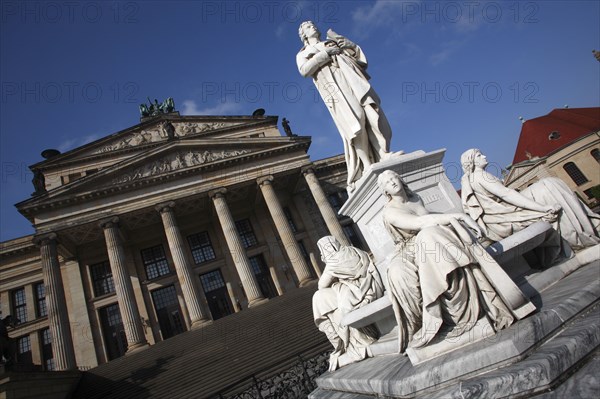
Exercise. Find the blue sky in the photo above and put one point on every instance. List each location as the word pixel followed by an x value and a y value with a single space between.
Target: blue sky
pixel 450 75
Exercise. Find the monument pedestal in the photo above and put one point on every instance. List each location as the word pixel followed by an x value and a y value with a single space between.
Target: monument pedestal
pixel 424 174
pixel 536 355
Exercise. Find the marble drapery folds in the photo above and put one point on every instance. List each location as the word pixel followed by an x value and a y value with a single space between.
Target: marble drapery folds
pixel 349 281
pixel 343 83
pixel 501 211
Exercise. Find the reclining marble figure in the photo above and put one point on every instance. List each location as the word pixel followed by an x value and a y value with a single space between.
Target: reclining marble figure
pixel 501 211
pixel 440 276
pixel 349 281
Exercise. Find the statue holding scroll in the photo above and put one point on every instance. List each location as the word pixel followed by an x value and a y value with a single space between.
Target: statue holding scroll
pixel 338 68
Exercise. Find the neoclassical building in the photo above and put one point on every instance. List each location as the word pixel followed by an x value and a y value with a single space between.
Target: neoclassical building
pixel 161 228
pixel 564 144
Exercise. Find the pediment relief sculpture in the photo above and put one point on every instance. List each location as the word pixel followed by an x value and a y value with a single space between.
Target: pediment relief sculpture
pixel 176 161
pixel 161 133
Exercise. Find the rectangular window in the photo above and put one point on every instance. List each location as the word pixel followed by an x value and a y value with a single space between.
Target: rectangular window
pixel 47 355
pixel 288 215
pixel 102 278
pixel 352 236
pixel 303 250
pixel 155 262
pixel 19 305
pixel 115 339
pixel 201 247
pixel 246 233
pixel 263 276
pixel 24 349
pixel 40 298
pixel 337 200
pixel 168 312
pixel 212 281
pixel 575 173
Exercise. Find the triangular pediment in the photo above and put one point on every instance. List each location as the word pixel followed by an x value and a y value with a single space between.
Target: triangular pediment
pixel 174 159
pixel 157 133
pixel 130 142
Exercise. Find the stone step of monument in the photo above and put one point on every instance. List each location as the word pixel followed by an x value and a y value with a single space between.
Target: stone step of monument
pixel 386 344
pixel 554 340
pixel 202 362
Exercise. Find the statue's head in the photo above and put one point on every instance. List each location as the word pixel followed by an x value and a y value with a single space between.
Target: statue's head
pixel 328 246
pixel 391 183
pixel 308 29
pixel 472 158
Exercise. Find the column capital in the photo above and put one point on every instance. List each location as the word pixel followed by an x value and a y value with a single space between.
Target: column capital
pixel 44 239
pixel 265 180
pixel 109 222
pixel 307 169
pixel 165 206
pixel 217 193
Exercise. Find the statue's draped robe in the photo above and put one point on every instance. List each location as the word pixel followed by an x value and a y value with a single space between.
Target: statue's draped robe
pixel 356 283
pixel 434 280
pixel 576 223
pixel 344 87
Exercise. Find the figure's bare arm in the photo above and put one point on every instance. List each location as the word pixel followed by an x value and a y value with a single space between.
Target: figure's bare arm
pixel 409 222
pixel 326 280
pixel 512 196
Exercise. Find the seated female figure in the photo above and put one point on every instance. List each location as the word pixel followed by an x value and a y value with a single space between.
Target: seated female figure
pixel 349 281
pixel 501 211
pixel 434 279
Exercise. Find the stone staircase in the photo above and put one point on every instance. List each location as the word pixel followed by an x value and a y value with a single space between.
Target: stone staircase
pixel 27 384
pixel 202 363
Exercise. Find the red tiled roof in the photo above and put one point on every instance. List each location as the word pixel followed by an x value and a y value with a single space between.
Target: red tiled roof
pixel 570 123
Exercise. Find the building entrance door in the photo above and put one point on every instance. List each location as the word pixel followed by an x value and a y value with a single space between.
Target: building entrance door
pixel 168 311
pixel 263 276
pixel 113 331
pixel 216 294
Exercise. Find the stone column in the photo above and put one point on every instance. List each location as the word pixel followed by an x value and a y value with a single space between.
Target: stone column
pixel 124 289
pixel 191 294
pixel 238 252
pixel 58 315
pixel 285 231
pixel 329 215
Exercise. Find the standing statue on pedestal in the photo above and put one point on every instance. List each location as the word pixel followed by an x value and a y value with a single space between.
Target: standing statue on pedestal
pixel 501 211
pixel 349 281
pixel 338 68
pixel 435 279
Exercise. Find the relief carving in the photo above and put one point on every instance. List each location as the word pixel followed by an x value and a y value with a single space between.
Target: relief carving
pixel 160 133
pixel 175 161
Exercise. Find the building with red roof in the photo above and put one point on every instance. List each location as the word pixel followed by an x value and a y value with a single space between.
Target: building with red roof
pixel 564 144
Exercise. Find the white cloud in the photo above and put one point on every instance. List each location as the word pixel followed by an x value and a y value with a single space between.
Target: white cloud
pixel 448 48
pixel 191 108
pixel 280 32
pixel 382 13
pixel 71 143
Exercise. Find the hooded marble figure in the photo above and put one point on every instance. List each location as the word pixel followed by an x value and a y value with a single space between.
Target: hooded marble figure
pixel 501 211
pixel 435 279
pixel 338 68
pixel 349 281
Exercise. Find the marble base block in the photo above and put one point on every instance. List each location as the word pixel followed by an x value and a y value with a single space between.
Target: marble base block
pixel 424 174
pixel 450 340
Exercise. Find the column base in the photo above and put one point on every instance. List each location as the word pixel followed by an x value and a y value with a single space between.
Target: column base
pixel 137 347
pixel 200 323
pixel 306 283
pixel 257 302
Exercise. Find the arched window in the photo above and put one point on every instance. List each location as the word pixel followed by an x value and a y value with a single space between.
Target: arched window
pixel 596 154
pixel 575 174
